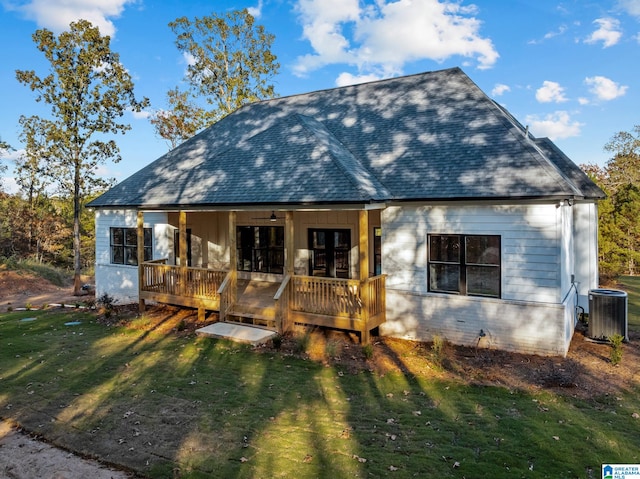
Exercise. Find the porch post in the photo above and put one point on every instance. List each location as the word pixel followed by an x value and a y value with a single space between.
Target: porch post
pixel 363 248
pixel 233 253
pixel 289 248
pixel 140 251
pixel 182 253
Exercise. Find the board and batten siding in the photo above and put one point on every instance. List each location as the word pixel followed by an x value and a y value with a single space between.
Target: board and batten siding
pixel 535 313
pixel 117 280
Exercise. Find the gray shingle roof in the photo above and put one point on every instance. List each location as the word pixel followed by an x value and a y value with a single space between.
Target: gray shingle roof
pixel 432 136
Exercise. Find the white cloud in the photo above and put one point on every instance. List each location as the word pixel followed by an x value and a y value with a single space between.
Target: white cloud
pixel 56 15
pixel 385 35
pixel 608 33
pixel 604 88
pixel 555 125
pixel 632 7
pixel 500 89
pixel 550 91
pixel 256 12
pixel 141 115
pixel 583 101
pixel 345 79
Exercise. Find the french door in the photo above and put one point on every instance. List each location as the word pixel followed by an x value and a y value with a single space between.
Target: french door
pixel 330 249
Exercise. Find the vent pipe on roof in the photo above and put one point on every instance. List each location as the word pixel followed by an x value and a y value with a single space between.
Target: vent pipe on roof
pixel 526 132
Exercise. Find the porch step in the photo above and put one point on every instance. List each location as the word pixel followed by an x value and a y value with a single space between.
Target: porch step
pixel 240 333
pixel 267 320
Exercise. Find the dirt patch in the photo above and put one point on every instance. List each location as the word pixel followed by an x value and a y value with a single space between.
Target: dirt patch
pixel 586 372
pixel 20 289
pixel 23 457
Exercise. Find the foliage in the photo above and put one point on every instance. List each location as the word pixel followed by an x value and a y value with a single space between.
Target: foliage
pixel 35 230
pixel 88 90
pixel 107 304
pixel 180 121
pixel 4 148
pixel 618 227
pixel 616 349
pixel 230 65
pixel 438 349
pixel 58 276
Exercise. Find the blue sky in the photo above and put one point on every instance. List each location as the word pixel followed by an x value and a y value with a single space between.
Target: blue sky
pixel 567 69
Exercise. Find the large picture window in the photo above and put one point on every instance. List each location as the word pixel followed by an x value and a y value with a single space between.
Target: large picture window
pixel 124 245
pixel 464 264
pixel 261 249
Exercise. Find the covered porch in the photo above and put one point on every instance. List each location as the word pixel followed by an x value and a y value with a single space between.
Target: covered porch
pixel 273 301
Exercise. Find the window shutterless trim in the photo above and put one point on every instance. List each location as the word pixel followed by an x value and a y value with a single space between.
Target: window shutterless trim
pixel 123 245
pixel 454 256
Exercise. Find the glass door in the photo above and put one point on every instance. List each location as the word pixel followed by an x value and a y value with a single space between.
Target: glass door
pixel 330 249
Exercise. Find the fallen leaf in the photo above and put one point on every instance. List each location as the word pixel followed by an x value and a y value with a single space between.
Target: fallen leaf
pixel 556 438
pixel 243 459
pixel 307 458
pixel 456 465
pixel 635 415
pixel 393 468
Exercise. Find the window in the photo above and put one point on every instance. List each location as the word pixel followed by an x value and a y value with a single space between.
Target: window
pixel 261 249
pixel 464 264
pixel 330 251
pixel 124 245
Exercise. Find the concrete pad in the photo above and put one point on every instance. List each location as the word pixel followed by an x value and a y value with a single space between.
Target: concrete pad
pixel 240 333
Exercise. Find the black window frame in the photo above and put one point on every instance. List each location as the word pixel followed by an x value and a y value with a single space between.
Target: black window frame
pixel 123 245
pixel 260 249
pixel 447 257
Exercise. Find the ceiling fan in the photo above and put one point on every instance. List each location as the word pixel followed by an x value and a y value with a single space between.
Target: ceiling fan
pixel 273 217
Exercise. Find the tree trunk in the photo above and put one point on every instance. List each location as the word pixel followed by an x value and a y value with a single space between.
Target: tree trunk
pixel 77 261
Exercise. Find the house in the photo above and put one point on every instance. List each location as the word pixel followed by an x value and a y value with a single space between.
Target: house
pixel 411 207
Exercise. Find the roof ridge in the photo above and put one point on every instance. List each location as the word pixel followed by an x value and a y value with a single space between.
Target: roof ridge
pixel 363 179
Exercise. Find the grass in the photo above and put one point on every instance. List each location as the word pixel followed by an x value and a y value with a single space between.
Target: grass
pixel 172 405
pixel 58 276
pixel 631 284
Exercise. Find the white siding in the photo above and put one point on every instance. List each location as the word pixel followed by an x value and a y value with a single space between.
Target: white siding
pixel 585 232
pixel 530 237
pixel 121 281
pixel 536 311
pixel 525 327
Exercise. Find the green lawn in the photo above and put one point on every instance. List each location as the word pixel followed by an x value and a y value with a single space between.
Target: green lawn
pixel 169 405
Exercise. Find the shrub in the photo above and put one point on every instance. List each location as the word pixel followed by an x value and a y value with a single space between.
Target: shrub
pixel 302 342
pixel 367 350
pixel 616 349
pixel 437 349
pixel 107 304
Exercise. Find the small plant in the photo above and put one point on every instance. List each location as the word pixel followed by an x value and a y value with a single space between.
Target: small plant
pixel 277 341
pixel 367 350
pixel 332 349
pixel 616 349
pixel 182 325
pixel 302 342
pixel 29 306
pixel 107 304
pixel 437 349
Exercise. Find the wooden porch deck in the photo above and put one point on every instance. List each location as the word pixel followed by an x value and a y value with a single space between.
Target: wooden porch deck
pixel 328 302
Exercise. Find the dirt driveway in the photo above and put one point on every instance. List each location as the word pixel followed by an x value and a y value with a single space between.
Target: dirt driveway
pixel 21 456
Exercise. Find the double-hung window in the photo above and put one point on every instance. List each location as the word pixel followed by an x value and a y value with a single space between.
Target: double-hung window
pixel 124 245
pixel 464 264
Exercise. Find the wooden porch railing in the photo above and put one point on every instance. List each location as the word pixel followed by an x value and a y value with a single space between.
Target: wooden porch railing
pixel 282 300
pixel 227 292
pixel 163 279
pixel 340 298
